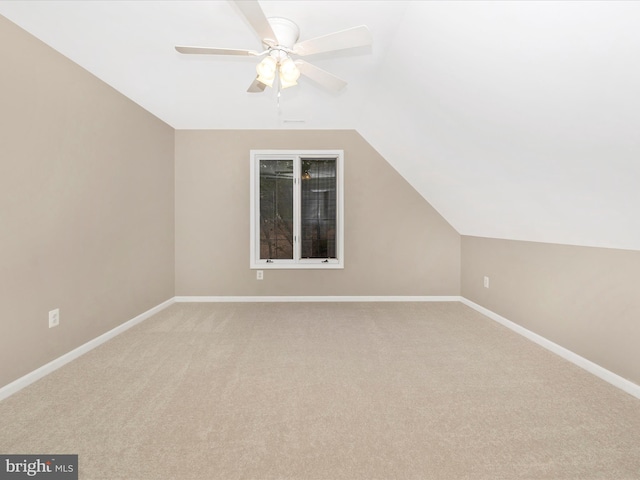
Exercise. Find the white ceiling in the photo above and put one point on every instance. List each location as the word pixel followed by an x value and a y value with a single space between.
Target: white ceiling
pixel 515 120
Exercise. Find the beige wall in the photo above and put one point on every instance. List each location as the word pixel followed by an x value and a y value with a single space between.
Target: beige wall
pixel 395 243
pixel 584 299
pixel 86 205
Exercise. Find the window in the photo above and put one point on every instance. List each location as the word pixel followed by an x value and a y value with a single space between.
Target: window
pixel 297 209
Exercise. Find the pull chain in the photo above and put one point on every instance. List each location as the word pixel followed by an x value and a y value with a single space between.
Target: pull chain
pixel 278 97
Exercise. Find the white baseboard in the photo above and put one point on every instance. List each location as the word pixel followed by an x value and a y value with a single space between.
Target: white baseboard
pixel 606 375
pixel 37 374
pixel 319 298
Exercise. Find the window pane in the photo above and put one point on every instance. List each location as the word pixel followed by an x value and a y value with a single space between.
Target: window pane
pixel 318 208
pixel 276 209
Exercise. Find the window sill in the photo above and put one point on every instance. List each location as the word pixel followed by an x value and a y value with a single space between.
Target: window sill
pixel 296 266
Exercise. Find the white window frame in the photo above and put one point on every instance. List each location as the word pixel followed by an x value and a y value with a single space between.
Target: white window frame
pixel 296 262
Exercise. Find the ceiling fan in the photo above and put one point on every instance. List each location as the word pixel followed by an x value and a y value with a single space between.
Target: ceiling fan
pixel 280 42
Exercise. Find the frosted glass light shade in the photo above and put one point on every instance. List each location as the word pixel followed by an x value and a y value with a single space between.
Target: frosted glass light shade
pixel 267 70
pixel 289 73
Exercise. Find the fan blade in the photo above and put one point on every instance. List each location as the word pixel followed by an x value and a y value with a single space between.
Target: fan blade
pixel 215 51
pixel 255 16
pixel 322 77
pixel 349 38
pixel 256 87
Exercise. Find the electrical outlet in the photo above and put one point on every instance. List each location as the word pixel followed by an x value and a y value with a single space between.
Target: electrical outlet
pixel 54 318
pixel 486 282
pixel 259 275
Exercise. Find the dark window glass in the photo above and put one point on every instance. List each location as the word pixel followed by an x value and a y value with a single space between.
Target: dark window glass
pixel 318 208
pixel 276 209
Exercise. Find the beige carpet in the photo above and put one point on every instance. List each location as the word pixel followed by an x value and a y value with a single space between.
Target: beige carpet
pixel 326 391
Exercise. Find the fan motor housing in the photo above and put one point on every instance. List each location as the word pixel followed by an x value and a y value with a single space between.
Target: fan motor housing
pixel 287 32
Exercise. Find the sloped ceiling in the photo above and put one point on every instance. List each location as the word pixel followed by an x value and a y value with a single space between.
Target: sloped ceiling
pixel 517 120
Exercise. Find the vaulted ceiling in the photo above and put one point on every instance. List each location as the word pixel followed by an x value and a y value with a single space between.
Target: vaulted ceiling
pixel 517 120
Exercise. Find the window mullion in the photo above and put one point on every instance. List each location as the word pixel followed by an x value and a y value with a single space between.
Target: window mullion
pixel 296 209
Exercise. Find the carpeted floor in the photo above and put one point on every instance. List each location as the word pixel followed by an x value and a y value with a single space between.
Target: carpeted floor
pixel 326 391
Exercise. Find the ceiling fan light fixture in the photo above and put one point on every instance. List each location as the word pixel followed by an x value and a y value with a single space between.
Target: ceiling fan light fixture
pixel 280 40
pixel 267 70
pixel 289 73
